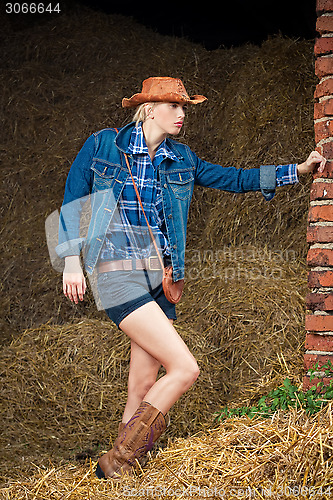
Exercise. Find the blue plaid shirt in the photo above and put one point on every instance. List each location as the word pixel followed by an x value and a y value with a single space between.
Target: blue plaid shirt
pixel 127 236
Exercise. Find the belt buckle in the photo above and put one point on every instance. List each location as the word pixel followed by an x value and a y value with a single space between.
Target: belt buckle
pixel 150 265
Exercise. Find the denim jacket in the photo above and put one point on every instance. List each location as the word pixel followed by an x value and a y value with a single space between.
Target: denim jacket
pixel 99 172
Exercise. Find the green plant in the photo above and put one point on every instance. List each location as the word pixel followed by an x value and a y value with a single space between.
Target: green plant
pixel 288 395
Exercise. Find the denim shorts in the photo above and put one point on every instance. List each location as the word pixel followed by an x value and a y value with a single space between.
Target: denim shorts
pixel 122 292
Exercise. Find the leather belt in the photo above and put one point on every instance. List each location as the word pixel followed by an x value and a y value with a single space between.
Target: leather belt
pixel 151 264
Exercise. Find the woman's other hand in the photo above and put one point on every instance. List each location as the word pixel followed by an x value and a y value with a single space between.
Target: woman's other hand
pixel 311 163
pixel 74 283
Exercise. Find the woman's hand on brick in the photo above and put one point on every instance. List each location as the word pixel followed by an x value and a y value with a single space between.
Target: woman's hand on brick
pixel 74 283
pixel 311 163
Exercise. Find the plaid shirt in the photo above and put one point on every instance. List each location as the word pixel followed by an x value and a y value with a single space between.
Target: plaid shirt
pixel 127 236
pixel 286 174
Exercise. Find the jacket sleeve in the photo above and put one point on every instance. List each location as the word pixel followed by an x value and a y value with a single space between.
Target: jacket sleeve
pixel 77 190
pixel 236 180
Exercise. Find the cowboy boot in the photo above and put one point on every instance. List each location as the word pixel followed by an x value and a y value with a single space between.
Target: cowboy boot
pixel 120 427
pixel 144 459
pixel 122 424
pixel 135 440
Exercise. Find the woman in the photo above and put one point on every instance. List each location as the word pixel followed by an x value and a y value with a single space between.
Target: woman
pixel 119 247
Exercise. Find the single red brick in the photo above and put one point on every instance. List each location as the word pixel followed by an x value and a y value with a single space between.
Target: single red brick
pixel 319 301
pixel 323 45
pixel 324 24
pixel 321 190
pixel 320 278
pixel 324 66
pixel 319 323
pixel 324 6
pixel 325 87
pixel 323 129
pixel 315 342
pixel 318 110
pixel 320 257
pixel 321 213
pixel 328 150
pixel 319 234
pixel 328 107
pixel 310 361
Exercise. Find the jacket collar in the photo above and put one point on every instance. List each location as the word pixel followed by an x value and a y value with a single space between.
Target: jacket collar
pixel 123 138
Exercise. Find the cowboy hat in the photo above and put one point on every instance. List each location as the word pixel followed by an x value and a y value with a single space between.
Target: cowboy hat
pixel 162 89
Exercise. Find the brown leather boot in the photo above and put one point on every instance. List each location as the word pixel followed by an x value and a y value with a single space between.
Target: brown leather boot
pixel 120 427
pixel 134 441
pixel 143 460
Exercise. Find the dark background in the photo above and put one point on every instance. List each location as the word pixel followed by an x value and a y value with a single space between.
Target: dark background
pixel 231 22
pixel 220 23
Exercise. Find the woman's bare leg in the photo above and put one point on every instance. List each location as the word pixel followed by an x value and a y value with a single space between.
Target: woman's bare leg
pixel 142 376
pixel 150 329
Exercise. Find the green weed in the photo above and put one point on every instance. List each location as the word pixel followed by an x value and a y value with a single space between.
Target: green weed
pixel 288 395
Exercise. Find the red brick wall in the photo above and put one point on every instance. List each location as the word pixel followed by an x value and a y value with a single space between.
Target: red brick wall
pixel 319 302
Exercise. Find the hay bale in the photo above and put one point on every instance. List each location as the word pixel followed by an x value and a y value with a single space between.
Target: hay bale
pixel 62 393
pixel 288 455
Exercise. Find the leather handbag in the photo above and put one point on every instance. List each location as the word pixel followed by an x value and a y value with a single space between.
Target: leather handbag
pixel 172 289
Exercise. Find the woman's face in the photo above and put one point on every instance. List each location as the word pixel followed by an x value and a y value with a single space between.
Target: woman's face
pixel 168 117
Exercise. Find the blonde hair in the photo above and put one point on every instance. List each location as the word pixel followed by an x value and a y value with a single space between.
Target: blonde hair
pixel 141 112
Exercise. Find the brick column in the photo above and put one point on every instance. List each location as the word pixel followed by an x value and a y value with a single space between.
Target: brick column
pixel 319 324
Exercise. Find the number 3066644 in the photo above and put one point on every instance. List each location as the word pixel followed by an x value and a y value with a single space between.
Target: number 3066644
pixel 31 8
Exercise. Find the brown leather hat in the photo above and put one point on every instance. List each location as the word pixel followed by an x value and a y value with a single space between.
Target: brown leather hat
pixel 162 89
